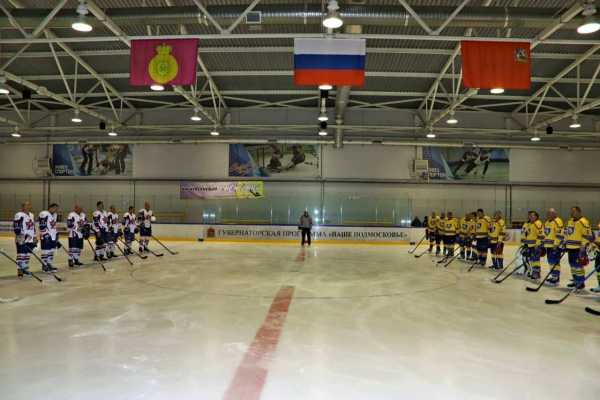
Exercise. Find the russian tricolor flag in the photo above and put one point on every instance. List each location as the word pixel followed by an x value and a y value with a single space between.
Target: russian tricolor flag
pixel 329 61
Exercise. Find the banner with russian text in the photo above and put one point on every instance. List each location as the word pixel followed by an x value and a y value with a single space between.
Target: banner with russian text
pixel 470 163
pixel 109 159
pixel 158 61
pixel 222 190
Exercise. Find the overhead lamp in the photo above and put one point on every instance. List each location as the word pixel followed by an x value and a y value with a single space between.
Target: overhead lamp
pixel 497 90
pixel 196 117
pixel 333 20
pixel 575 124
pixel 430 135
pixel 112 132
pixel 16 133
pixel 214 132
pixel 322 132
pixel 76 119
pixel 157 87
pixel 323 116
pixel 452 120
pixel 590 23
pixel 325 86
pixel 535 138
pixel 81 24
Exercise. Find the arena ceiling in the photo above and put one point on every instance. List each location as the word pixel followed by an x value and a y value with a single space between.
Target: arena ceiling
pixel 245 79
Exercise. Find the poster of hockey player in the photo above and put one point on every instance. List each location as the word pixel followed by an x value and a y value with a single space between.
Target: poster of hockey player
pixel 92 159
pixel 468 163
pixel 275 160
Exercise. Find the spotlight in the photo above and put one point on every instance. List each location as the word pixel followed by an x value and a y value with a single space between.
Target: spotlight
pixel 214 132
pixel 497 91
pixel 323 116
pixel 575 124
pixel 590 22
pixel 322 132
pixel 76 119
pixel 157 88
pixel 81 23
pixel 16 133
pixel 535 138
pixel 112 132
pixel 430 135
pixel 325 86
pixel 333 20
pixel 196 117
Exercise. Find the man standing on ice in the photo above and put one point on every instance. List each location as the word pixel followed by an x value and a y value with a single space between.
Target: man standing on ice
pixel 305 224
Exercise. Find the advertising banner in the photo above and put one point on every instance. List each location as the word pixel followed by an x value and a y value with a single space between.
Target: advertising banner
pixel 222 190
pixel 468 163
pixel 92 160
pixel 275 160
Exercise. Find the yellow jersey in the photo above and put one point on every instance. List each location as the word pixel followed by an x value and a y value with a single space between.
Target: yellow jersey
pixel 432 223
pixel 532 233
pixel 441 224
pixel 577 233
pixel 553 232
pixel 497 231
pixel 463 229
pixel 482 227
pixel 451 226
pixel 471 227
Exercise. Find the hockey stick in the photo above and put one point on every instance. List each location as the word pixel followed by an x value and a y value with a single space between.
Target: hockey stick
pixel 122 252
pixel 592 311
pixel 165 247
pixel 143 257
pixel 508 265
pixel 451 260
pixel 44 265
pixel 417 245
pixel 94 252
pixel 421 254
pixel 152 252
pixel 17 264
pixel 573 290
pixel 536 289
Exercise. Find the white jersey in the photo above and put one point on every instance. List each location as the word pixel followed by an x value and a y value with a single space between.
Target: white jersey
pixel 145 218
pixel 99 221
pixel 75 224
pixel 24 225
pixel 130 222
pixel 113 222
pixel 47 221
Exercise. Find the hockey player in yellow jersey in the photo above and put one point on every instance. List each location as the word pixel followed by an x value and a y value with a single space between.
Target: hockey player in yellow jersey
pixel 431 229
pixel 451 227
pixel 532 234
pixel 497 235
pixel 578 234
pixel 553 237
pixel 439 237
pixel 482 227
pixel 463 234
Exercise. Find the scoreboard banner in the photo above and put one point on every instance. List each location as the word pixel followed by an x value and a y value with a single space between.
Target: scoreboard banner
pixel 222 190
pixel 475 164
pixel 92 160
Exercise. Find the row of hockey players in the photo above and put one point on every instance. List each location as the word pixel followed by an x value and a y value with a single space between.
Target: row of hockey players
pixel 476 233
pixel 106 226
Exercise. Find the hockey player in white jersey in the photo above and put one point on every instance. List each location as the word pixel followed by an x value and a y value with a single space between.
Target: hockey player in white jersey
pixel 146 218
pixel 77 228
pixel 49 236
pixel 100 229
pixel 130 228
pixel 114 230
pixel 25 238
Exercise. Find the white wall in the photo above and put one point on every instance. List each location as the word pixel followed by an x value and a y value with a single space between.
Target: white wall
pixel 209 160
pixel 17 161
pixel 368 162
pixel 554 166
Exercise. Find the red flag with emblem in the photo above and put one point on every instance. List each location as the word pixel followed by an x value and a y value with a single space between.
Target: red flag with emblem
pixel 489 64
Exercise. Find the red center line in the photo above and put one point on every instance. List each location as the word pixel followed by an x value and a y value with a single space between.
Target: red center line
pixel 301 256
pixel 251 374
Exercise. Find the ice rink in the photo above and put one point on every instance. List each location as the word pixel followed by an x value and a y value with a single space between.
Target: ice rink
pixel 276 321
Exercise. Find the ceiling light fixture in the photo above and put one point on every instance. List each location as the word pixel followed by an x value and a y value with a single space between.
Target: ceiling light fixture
pixel 535 138
pixel 590 23
pixel 322 132
pixel 81 24
pixel 76 119
pixel 325 86
pixel 196 117
pixel 452 120
pixel 323 117
pixel 575 124
pixel 112 132
pixel 333 20
pixel 16 133
pixel 497 90
pixel 214 132
pixel 157 88
pixel 430 135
